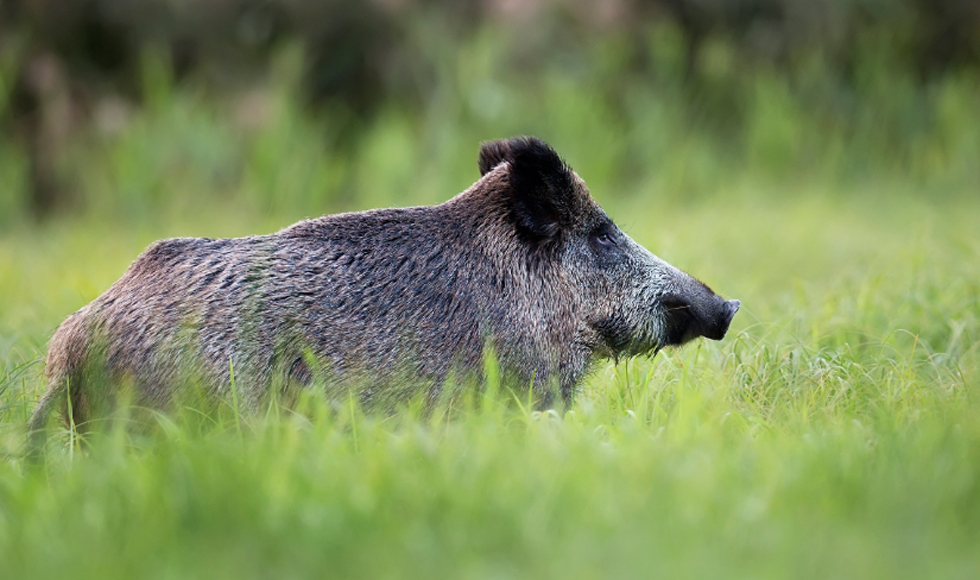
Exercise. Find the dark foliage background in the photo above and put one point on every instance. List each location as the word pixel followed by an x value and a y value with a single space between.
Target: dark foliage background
pixel 860 85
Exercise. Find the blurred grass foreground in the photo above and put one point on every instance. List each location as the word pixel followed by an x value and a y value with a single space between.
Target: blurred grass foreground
pixel 817 160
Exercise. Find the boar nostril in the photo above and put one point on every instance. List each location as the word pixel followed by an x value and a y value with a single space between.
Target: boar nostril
pixel 733 306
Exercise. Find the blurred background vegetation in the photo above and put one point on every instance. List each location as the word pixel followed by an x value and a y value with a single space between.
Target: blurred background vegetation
pixel 140 108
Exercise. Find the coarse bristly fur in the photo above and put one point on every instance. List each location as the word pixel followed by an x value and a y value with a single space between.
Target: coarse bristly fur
pixel 524 261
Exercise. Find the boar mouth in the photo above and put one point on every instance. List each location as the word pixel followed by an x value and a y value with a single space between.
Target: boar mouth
pixel 678 322
pixel 620 338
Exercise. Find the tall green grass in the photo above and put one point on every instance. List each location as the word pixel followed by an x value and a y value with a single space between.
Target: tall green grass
pixel 834 433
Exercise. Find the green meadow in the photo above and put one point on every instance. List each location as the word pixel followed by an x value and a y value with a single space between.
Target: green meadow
pixel 834 433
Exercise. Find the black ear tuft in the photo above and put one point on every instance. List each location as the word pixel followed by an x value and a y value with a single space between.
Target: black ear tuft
pixel 542 188
pixel 536 166
pixel 492 154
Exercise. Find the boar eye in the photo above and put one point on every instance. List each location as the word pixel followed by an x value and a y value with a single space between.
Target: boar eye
pixel 605 240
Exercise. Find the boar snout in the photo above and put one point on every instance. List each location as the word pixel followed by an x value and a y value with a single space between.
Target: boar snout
pixel 718 325
pixel 707 315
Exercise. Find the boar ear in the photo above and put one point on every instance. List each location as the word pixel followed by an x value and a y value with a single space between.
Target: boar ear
pixel 543 199
pixel 492 154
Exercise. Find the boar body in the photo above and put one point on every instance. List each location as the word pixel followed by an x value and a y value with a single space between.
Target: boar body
pixel 524 264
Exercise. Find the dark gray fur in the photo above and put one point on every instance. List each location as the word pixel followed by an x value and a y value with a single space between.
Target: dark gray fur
pixel 524 260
